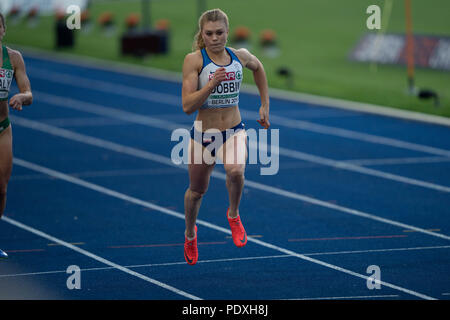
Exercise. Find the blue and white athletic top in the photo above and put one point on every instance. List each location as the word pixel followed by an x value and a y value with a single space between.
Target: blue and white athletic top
pixel 226 94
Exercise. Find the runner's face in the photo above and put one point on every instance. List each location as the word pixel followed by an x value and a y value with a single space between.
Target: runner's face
pixel 215 35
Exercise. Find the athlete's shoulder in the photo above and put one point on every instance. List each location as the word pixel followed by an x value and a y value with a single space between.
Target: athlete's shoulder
pixel 15 56
pixel 193 57
pixel 243 55
pixel 193 61
pixel 13 53
pixel 239 51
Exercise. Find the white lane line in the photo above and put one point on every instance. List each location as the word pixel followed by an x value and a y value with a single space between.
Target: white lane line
pixel 358 107
pixel 227 260
pixel 174 100
pixel 375 250
pixel 83 122
pixel 13 275
pixel 349 297
pixel 168 125
pixel 106 87
pixel 248 183
pixel 147 265
pixel 98 258
pixel 104 111
pixel 354 168
pixel 393 161
pixel 354 212
pixel 105 173
pixel 179 215
pixel 355 135
pixel 367 162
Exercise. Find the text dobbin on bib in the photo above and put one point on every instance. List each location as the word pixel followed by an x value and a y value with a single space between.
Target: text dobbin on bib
pixel 226 94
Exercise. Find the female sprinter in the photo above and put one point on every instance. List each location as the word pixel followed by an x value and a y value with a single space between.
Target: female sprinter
pixel 212 76
pixel 11 65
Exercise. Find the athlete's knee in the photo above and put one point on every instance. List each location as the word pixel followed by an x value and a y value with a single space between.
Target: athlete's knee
pixel 235 172
pixel 197 193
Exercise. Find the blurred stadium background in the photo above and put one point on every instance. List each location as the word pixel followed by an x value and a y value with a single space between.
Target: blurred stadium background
pixel 305 45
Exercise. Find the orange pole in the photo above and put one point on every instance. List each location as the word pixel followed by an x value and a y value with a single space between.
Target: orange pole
pixel 409 44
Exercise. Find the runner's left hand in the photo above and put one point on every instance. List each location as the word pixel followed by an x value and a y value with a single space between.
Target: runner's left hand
pixel 264 117
pixel 16 102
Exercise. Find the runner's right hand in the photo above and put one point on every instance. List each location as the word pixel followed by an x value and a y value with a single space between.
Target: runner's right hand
pixel 219 76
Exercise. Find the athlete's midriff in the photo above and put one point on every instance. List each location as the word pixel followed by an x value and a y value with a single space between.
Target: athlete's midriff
pixel 220 118
pixel 3 110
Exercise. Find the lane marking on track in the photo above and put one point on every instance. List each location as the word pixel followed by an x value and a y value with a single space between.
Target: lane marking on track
pixel 350 238
pixel 99 259
pixel 72 243
pixel 157 245
pixel 165 264
pixel 118 195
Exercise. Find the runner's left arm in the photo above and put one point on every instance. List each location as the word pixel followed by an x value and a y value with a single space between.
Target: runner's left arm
pixel 25 97
pixel 252 62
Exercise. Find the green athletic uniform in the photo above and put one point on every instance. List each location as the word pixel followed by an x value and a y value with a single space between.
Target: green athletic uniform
pixel 6 77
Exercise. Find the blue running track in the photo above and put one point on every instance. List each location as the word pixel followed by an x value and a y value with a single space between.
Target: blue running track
pixel 93 186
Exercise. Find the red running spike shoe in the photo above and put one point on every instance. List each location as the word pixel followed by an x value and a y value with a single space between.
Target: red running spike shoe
pixel 237 231
pixel 190 249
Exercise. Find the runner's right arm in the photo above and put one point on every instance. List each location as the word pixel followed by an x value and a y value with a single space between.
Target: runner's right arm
pixel 192 98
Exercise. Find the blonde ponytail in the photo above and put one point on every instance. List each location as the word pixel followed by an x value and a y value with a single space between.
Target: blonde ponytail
pixel 2 18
